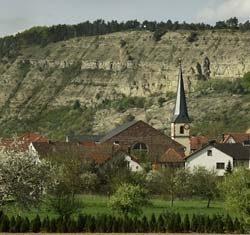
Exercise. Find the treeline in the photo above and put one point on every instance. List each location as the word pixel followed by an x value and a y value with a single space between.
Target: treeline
pixel 10 45
pixel 166 222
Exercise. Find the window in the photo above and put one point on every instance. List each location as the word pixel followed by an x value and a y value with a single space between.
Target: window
pixel 181 129
pixel 140 146
pixel 220 165
pixel 209 152
pixel 116 143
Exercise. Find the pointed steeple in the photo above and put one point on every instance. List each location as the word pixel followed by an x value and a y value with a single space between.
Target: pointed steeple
pixel 180 111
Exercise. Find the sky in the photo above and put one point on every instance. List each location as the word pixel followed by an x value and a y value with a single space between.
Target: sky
pixel 18 15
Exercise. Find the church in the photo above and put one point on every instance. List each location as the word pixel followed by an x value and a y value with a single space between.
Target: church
pixel 138 138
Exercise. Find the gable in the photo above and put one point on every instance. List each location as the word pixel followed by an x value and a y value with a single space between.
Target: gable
pixel 141 132
pixel 202 153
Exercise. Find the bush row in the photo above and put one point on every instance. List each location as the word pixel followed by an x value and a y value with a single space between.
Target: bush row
pixel 166 222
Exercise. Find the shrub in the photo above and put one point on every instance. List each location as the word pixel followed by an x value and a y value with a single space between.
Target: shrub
pixel 193 37
pixel 129 199
pixel 161 101
pixel 158 34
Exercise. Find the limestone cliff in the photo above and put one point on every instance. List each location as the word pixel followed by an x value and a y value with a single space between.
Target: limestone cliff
pixel 110 67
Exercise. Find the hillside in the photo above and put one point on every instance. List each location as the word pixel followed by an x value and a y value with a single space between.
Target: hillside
pixel 84 84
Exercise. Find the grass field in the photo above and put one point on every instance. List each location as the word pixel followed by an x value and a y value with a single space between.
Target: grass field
pixel 98 204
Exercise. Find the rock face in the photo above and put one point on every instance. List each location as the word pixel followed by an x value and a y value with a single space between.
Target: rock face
pixel 94 69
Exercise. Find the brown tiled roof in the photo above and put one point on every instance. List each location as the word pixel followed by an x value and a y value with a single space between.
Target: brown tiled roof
pixel 171 156
pixel 98 153
pixel 197 142
pixel 238 137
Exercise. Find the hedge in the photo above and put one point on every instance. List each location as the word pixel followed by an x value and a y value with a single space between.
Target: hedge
pixel 165 222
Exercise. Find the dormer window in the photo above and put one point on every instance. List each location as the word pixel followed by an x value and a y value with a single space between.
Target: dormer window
pixel 209 152
pixel 181 129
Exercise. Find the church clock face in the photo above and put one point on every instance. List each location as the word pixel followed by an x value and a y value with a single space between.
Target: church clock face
pixel 187 126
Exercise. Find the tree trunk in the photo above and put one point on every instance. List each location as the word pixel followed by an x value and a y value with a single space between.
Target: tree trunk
pixel 208 202
pixel 172 200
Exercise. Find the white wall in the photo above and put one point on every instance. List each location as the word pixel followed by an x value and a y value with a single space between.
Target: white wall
pixel 134 166
pixel 209 162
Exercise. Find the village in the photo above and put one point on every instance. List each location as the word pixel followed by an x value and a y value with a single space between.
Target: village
pixel 137 138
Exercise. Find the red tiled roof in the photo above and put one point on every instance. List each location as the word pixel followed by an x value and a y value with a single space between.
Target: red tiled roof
pixel 197 142
pixel 22 142
pixel 238 137
pixel 33 137
pixel 171 156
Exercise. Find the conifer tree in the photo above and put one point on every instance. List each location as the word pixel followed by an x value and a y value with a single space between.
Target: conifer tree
pixel 36 225
pixel 115 225
pixel 153 225
pixel 92 224
pixel 229 224
pixel 18 224
pixel 214 224
pixel 25 225
pixel 236 225
pixel 171 224
pixel 12 224
pixel 207 224
pixel 220 225
pixel 72 226
pixel 5 224
pixel 194 224
pixel 201 224
pixel 52 226
pixel 81 222
pixel 186 224
pixel 109 224
pixel 178 224
pixel 1 215
pixel 161 224
pixel 46 224
pixel 145 225
pixel 229 168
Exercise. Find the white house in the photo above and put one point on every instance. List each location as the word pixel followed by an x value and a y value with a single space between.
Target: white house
pixel 216 156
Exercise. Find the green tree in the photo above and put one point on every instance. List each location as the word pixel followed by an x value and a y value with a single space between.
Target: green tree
pixel 236 191
pixel 204 184
pixel 129 199
pixel 170 183
pixel 72 176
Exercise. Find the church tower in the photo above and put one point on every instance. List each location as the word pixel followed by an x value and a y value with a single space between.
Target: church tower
pixel 180 124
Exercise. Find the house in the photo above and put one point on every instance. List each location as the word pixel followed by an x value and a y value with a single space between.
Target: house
pixel 216 156
pixel 232 138
pixel 21 143
pixel 97 153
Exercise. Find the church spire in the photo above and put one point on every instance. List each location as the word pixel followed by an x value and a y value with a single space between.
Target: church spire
pixel 180 111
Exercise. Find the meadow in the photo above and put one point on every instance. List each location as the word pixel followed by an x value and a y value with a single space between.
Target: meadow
pixel 94 204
